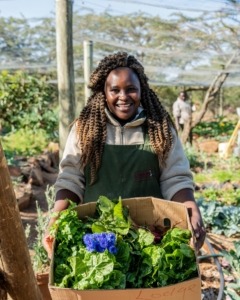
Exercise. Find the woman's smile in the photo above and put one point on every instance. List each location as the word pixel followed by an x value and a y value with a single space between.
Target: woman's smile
pixel 124 106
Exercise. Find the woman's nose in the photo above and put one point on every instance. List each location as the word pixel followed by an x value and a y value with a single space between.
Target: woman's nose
pixel 122 95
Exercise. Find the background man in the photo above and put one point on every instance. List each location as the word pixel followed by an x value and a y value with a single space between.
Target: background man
pixel 182 111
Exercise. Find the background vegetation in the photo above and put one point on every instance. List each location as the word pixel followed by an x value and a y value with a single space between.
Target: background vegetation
pixel 184 53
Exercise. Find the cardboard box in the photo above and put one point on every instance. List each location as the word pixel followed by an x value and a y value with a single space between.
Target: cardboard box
pixel 144 211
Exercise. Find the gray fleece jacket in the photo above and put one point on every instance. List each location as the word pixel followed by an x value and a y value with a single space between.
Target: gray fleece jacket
pixel 174 177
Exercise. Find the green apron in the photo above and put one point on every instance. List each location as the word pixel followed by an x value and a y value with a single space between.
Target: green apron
pixel 126 171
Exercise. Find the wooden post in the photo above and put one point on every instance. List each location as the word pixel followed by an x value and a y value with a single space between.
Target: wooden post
pixel 17 278
pixel 65 69
pixel 231 142
pixel 88 62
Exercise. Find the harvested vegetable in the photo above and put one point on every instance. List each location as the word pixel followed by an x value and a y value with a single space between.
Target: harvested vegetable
pixel 110 251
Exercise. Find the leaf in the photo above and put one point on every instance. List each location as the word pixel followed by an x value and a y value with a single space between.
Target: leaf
pixel 154 253
pixel 105 206
pixel 118 211
pixel 98 267
pixel 232 294
pixel 145 238
pixel 123 257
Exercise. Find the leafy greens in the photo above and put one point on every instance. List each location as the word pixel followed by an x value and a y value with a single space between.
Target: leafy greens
pixel 137 262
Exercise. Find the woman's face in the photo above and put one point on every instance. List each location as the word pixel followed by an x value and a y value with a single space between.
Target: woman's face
pixel 123 91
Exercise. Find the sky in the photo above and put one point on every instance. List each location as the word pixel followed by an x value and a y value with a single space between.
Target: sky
pixel 46 8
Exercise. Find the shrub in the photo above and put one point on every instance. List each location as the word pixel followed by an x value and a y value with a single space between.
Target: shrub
pixel 217 129
pixel 27 101
pixel 25 142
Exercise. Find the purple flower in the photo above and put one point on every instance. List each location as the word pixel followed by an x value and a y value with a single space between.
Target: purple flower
pixel 99 242
pixel 100 249
pixel 112 249
pixel 111 238
pixel 87 238
pixel 89 242
pixel 102 240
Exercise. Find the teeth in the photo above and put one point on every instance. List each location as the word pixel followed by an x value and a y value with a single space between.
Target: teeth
pixel 124 105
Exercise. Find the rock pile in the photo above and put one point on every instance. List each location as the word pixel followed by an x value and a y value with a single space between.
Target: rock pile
pixel 33 171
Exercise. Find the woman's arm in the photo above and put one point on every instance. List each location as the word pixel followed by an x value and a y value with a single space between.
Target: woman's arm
pixel 62 202
pixel 186 197
pixel 176 184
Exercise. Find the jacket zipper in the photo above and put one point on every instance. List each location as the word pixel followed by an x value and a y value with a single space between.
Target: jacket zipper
pixel 122 133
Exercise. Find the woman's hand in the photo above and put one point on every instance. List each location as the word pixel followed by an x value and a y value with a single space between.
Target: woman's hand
pixel 186 197
pixel 47 242
pixel 48 239
pixel 198 227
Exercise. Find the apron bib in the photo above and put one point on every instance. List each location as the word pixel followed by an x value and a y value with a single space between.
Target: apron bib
pixel 126 171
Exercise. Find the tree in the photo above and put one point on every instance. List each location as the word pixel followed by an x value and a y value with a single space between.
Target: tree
pixel 217 37
pixel 16 274
pixel 23 43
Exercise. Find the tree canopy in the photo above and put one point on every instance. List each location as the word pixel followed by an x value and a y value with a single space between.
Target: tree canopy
pixel 182 52
pixel 194 53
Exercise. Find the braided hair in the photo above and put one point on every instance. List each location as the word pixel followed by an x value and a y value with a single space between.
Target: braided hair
pixel 91 123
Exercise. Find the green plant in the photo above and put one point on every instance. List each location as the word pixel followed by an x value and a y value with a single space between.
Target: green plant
pixel 40 259
pixel 24 142
pixel 209 194
pixel 222 175
pixel 216 129
pixel 232 289
pixel 27 230
pixel 193 156
pixel 217 175
pixel 229 196
pixel 219 218
pixel 27 101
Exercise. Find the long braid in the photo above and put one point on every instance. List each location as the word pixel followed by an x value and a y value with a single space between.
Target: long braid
pixel 159 121
pixel 92 132
pixel 91 124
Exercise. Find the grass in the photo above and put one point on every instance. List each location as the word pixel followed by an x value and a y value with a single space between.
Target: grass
pixel 212 172
pixel 219 176
pixel 227 197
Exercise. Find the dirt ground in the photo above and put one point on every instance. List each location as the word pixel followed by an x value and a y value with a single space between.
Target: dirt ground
pixel 209 271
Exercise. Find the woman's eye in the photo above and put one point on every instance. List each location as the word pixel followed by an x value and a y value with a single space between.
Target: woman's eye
pixel 114 91
pixel 132 89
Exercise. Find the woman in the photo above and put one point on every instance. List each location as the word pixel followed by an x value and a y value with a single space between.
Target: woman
pixel 124 143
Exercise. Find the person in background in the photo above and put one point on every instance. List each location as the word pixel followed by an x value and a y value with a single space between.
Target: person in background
pixel 124 143
pixel 182 113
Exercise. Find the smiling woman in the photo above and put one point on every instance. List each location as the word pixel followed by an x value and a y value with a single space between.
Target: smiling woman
pixel 125 144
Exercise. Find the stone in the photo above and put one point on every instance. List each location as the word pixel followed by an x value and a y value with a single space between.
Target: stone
pixel 23 195
pixel 36 177
pixel 14 171
pixel 208 146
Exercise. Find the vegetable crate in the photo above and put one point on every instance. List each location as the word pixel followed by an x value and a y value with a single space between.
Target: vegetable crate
pixel 146 211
